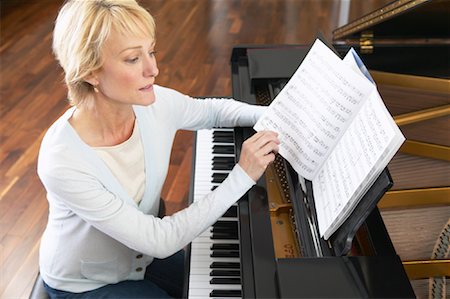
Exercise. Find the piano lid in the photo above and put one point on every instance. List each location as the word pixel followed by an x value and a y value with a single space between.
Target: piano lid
pixel 278 61
pixel 413 20
pixel 410 37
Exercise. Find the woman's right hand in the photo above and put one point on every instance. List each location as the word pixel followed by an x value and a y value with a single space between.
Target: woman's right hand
pixel 258 152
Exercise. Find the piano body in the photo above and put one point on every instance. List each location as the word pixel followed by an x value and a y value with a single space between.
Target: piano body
pixel 406 46
pixel 268 245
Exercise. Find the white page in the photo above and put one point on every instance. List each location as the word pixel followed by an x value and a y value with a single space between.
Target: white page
pixel 363 152
pixel 314 109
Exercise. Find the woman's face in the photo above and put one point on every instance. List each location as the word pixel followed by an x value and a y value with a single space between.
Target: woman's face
pixel 129 70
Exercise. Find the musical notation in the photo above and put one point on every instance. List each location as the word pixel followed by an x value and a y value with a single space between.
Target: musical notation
pixel 334 130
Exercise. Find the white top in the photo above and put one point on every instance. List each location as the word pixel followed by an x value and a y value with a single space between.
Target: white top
pixel 96 231
pixel 125 161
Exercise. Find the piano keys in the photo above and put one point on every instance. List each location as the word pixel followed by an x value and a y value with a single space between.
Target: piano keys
pixel 240 256
pixel 214 255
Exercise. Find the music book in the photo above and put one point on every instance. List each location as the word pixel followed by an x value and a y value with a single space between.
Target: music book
pixel 334 130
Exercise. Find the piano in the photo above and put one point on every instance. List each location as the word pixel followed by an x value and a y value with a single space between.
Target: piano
pixel 268 245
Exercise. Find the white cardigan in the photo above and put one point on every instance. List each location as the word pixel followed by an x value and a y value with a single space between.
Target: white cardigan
pixel 96 233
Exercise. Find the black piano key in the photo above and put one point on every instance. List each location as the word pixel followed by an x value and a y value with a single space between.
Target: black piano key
pixel 225 280
pixel 223 149
pixel 225 265
pixel 221 166
pixel 226 224
pixel 223 139
pixel 219 177
pixel 224 253
pixel 224 236
pixel 225 293
pixel 223 163
pixel 227 160
pixel 224 230
pixel 223 133
pixel 214 188
pixel 217 180
pixel 232 273
pixel 223 246
pixel 231 212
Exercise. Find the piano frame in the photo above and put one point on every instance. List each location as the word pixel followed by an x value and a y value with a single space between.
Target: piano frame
pixel 377 274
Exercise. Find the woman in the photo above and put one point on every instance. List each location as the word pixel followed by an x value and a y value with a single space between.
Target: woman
pixel 103 163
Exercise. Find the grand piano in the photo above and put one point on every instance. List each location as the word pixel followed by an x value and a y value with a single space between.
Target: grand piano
pixel 268 245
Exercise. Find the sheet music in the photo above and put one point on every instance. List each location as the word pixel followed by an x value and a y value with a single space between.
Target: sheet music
pixel 334 130
pixel 314 109
pixel 363 152
pixel 358 159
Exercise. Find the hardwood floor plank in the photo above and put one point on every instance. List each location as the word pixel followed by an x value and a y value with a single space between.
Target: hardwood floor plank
pixel 21 279
pixel 24 192
pixel 194 43
pixel 20 262
pixel 7 186
pixel 27 159
pixel 179 191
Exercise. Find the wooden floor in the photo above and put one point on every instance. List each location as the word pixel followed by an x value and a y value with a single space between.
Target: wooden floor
pixel 194 42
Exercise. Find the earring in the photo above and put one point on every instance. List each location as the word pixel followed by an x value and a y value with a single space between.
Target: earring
pixel 95 89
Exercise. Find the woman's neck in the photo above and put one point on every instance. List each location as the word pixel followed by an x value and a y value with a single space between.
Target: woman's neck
pixel 103 124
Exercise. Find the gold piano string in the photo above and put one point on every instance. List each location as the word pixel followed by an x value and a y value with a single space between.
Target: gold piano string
pixel 427 268
pixel 286 244
pixel 417 148
pixel 422 115
pixel 428 150
pixel 412 198
pixel 283 227
pixel 411 81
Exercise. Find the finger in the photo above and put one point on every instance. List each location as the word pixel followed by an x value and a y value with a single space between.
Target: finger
pixel 265 139
pixel 261 134
pixel 268 148
pixel 269 158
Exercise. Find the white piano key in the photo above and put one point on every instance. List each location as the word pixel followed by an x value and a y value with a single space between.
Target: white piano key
pixel 199 292
pixel 206 239
pixel 204 293
pixel 199 286
pixel 199 278
pixel 208 286
pixel 202 258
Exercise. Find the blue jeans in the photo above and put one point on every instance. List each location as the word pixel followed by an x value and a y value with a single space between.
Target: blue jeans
pixel 163 279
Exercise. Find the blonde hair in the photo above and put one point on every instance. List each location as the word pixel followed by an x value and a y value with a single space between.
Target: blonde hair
pixel 80 32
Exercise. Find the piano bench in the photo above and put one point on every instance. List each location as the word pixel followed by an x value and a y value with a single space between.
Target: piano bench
pixel 38 291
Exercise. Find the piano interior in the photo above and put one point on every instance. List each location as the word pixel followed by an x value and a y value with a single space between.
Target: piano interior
pixel 281 250
pixel 294 227
pixel 406 47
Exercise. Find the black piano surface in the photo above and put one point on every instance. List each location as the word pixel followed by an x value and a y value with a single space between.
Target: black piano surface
pixel 239 258
pixel 258 74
